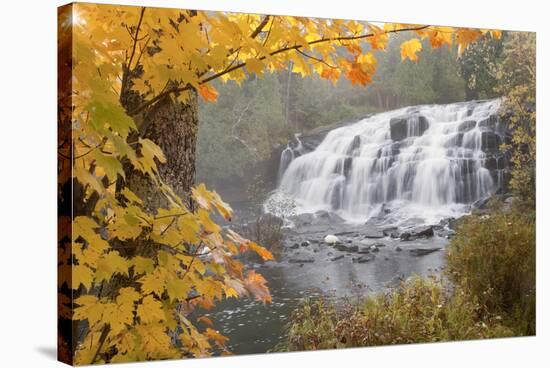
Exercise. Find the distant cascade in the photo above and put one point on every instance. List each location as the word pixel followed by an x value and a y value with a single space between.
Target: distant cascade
pixel 424 161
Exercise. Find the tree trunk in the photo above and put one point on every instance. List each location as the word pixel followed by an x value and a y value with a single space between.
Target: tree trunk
pixel 173 126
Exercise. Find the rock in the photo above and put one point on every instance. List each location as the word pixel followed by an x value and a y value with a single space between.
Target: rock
pixel 337 258
pixel 424 233
pixel 364 259
pixel 398 249
pixel 374 235
pixel 423 251
pixel 363 251
pixel 403 127
pixel 490 141
pixel 355 144
pixel 481 203
pixel 303 219
pixel 344 233
pixel 325 217
pixel 374 249
pixel 305 244
pixel 346 248
pixel 389 230
pixel 295 246
pixel 466 125
pixel 490 123
pixel 299 260
pixel 331 239
pixel 349 241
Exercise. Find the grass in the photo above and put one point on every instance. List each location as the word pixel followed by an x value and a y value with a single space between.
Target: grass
pixel 419 310
pixel 493 257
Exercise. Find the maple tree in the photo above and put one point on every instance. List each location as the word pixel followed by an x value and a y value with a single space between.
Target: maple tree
pixel 139 250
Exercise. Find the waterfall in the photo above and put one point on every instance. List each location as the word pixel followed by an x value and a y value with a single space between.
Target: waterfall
pixel 292 150
pixel 428 162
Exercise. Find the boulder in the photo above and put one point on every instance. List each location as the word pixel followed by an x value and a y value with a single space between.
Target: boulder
pixel 305 244
pixel 331 239
pixel 346 248
pixel 374 235
pixel 490 123
pixel 300 260
pixel 364 259
pixel 427 232
pixel 466 125
pixel 303 219
pixel 344 233
pixel 392 232
pixel 337 258
pixel 490 141
pixel 418 252
pixel 355 144
pixel 404 127
pixel 405 236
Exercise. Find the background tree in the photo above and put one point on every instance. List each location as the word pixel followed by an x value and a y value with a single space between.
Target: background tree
pixel 478 66
pixel 516 77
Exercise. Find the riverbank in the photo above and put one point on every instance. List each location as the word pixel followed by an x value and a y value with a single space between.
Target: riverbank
pixel 487 291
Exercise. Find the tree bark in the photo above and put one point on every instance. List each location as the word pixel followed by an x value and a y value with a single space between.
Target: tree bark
pixel 173 126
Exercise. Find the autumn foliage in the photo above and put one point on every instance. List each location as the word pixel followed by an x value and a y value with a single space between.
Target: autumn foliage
pixel 131 276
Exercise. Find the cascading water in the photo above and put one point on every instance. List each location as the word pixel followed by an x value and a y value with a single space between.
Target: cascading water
pixel 425 162
pixel 288 155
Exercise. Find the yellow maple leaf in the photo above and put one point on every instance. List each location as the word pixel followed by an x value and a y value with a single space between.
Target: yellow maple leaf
pixel 150 310
pixel 255 66
pixel 218 338
pixel 208 93
pixel 331 74
pixel 257 286
pixel 111 264
pixel 82 275
pixel 410 48
pixel 154 282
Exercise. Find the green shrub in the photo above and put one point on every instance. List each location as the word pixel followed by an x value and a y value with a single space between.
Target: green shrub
pixel 493 257
pixel 419 310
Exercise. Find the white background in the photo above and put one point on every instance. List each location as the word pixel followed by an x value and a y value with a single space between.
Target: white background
pixel 28 181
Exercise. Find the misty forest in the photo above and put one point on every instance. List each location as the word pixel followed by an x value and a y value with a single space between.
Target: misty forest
pixel 254 183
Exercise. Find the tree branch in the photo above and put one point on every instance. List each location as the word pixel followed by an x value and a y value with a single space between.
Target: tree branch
pixel 276 52
pixel 135 38
pixel 316 59
pixel 260 27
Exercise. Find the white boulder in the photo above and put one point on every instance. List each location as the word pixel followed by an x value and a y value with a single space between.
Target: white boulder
pixel 331 239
